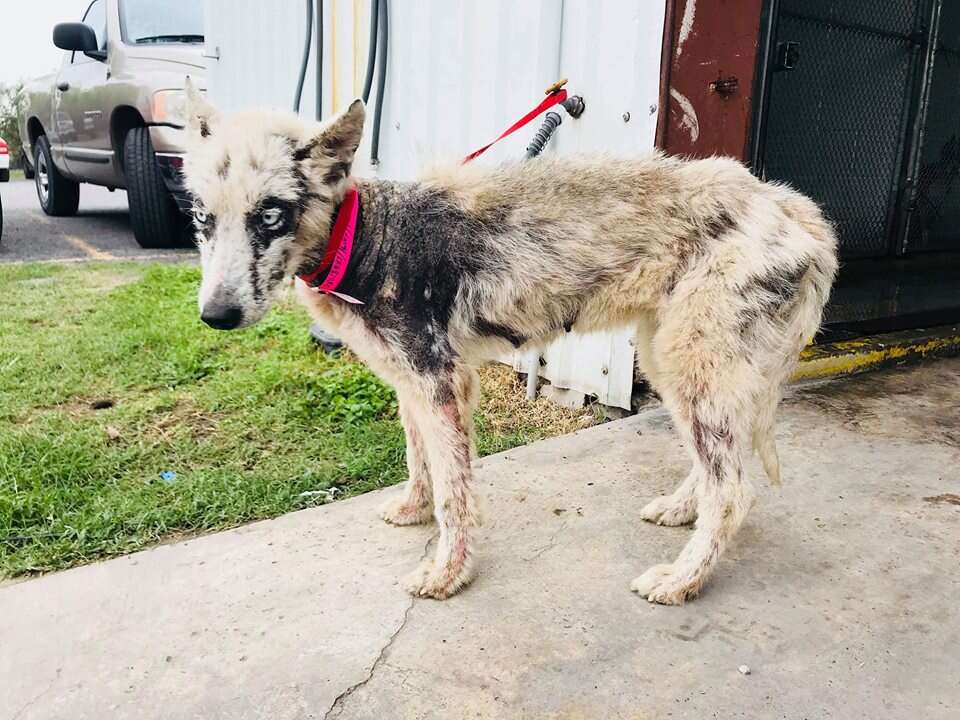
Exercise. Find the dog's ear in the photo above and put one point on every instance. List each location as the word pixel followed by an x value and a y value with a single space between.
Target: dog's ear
pixel 201 115
pixel 332 150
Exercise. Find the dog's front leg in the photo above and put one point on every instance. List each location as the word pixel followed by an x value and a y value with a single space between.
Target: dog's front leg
pixel 415 506
pixel 447 446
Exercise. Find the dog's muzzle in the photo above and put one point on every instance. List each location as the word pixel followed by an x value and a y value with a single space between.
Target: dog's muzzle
pixel 222 312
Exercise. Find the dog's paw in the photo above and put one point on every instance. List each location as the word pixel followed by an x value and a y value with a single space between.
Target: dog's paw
pixel 661 584
pixel 668 510
pixel 437 583
pixel 414 582
pixel 397 511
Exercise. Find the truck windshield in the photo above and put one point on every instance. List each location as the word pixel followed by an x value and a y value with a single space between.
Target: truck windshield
pixel 172 21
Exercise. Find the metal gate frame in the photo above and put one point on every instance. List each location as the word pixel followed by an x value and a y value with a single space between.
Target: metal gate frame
pixel 925 37
pixel 911 185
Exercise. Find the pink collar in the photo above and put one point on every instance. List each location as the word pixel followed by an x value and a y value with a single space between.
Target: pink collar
pixel 336 258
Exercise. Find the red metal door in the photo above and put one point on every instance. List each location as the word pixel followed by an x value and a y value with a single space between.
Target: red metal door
pixel 707 77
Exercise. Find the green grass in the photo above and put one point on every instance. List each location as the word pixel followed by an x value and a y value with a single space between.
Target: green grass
pixel 253 423
pixel 16 174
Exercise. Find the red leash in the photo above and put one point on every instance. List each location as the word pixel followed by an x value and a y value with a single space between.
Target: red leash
pixel 336 258
pixel 554 98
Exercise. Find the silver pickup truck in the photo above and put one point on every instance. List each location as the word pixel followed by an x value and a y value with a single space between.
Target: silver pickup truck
pixel 113 114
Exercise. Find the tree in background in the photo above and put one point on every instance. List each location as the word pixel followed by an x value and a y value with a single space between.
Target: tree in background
pixel 13 101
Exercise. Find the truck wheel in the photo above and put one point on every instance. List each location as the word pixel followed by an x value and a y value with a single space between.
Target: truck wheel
pixel 156 220
pixel 58 196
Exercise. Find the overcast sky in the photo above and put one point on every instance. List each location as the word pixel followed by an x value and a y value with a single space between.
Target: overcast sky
pixel 26 48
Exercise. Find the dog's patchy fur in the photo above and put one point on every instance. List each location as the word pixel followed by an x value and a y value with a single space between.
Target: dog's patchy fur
pixel 724 276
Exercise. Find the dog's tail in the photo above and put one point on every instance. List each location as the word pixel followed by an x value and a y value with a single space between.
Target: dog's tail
pixel 764 441
pixel 804 319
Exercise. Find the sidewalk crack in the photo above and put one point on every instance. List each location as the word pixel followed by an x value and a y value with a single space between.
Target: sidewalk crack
pixel 381 656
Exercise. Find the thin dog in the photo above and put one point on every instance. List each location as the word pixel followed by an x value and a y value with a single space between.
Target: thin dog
pixel 725 278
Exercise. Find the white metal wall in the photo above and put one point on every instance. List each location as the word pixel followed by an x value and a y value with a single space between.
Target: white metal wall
pixel 458 73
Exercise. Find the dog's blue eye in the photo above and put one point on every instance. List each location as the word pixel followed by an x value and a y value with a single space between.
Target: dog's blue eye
pixel 271 217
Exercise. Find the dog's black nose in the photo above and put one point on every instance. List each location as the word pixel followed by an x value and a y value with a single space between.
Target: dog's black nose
pixel 221 317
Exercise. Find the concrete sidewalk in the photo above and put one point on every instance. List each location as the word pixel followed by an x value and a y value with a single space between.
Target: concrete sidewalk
pixel 841 594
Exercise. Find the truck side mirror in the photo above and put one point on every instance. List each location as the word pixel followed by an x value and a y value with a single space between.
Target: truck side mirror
pixel 77 37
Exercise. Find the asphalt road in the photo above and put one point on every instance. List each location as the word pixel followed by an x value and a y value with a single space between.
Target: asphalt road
pixel 100 230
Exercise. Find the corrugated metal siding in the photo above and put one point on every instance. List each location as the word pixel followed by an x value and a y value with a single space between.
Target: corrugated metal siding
pixel 259 49
pixel 459 72
pixel 611 53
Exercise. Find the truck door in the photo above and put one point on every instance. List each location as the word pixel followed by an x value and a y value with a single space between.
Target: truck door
pixel 79 106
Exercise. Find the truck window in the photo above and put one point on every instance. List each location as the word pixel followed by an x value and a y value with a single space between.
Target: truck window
pixel 174 21
pixel 96 18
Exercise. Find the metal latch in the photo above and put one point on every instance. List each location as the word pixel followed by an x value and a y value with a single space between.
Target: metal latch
pixel 725 86
pixel 788 55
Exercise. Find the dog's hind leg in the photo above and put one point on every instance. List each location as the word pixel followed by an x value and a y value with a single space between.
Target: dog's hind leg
pixel 680 507
pixel 446 441
pixel 710 387
pixel 415 506
pixel 677 508
pixel 713 427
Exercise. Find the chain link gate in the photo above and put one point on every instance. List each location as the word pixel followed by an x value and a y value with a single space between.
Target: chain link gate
pixel 862 116
pixel 838 122
pixel 934 209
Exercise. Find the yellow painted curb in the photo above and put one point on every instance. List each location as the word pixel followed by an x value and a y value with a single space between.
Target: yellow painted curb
pixel 871 353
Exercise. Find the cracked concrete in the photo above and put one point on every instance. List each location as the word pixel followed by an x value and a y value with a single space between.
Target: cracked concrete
pixel 840 593
pixel 381 656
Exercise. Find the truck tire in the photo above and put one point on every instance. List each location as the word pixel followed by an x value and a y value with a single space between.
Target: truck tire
pixel 156 220
pixel 27 167
pixel 4 175
pixel 58 195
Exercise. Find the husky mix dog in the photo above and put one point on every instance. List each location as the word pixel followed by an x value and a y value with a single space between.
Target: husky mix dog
pixel 723 276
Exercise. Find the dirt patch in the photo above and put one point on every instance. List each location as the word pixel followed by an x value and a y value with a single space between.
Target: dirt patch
pixel 109 278
pixel 505 408
pixel 79 407
pixel 504 405
pixel 183 416
pixel 163 426
pixel 945 499
pixel 926 398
